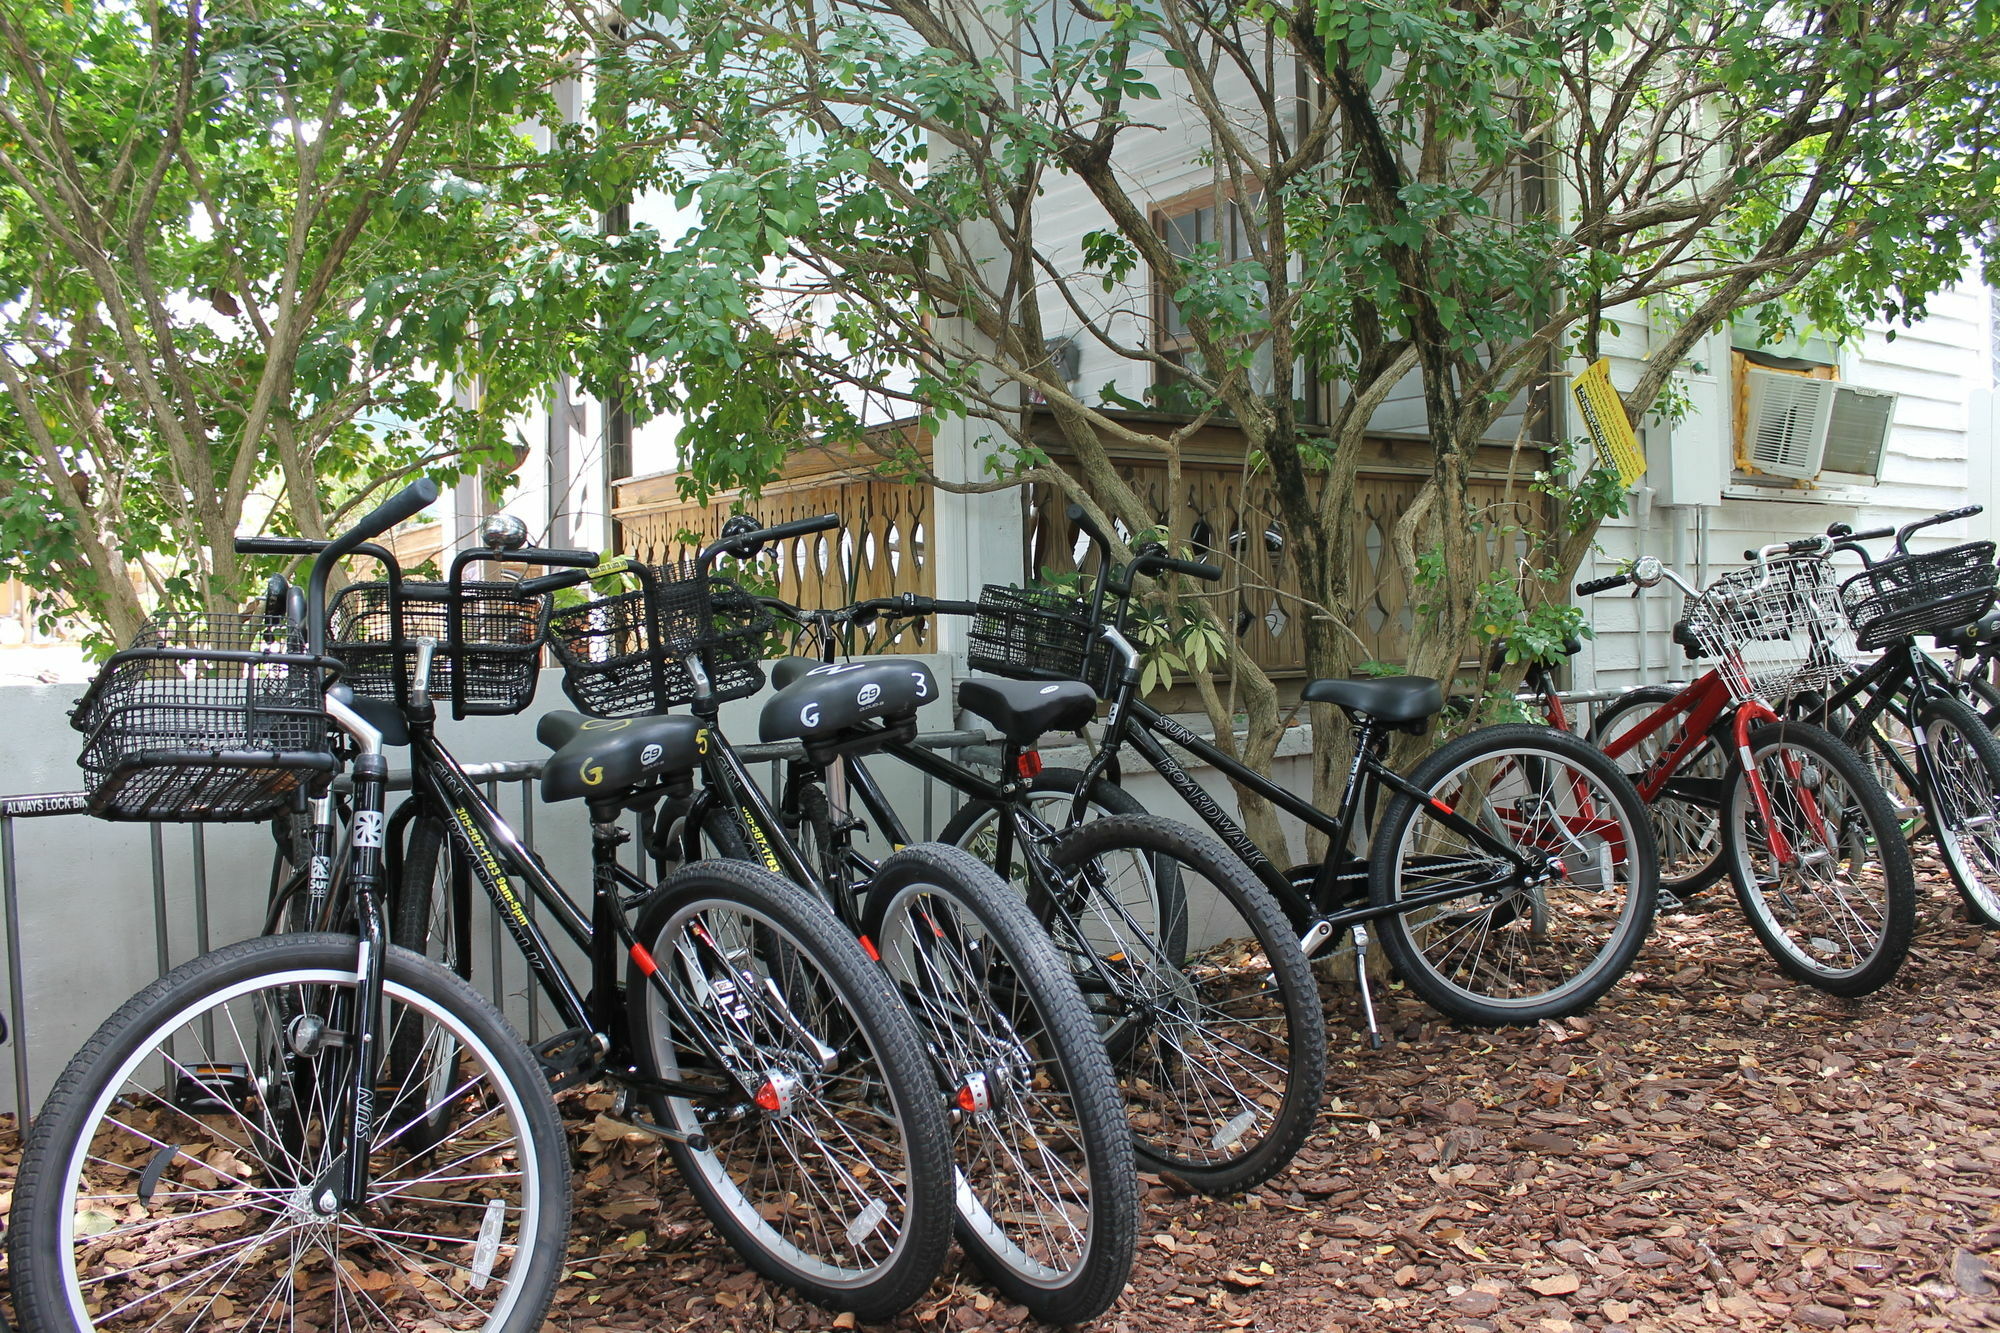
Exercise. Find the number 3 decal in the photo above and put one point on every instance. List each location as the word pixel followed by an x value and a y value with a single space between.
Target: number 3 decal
pixel 923 684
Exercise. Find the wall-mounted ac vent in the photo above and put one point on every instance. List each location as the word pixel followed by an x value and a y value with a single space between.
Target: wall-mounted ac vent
pixel 1800 427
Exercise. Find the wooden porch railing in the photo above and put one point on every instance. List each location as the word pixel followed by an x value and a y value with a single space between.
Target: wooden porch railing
pixel 1232 518
pixel 882 549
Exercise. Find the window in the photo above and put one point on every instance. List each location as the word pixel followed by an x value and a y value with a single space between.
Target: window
pixel 1207 222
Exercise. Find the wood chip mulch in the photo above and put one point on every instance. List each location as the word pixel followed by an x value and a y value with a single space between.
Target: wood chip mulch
pixel 1713 1148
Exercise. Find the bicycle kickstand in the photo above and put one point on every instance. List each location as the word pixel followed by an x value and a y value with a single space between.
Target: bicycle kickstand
pixel 1360 936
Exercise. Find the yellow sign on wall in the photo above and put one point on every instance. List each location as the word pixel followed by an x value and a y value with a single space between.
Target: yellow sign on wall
pixel 1604 417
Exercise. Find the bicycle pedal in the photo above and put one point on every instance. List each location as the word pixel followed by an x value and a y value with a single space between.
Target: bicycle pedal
pixel 213 1089
pixel 569 1058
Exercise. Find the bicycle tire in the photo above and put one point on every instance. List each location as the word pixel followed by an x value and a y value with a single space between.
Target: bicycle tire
pixel 1048 1198
pixel 1961 774
pixel 1241 991
pixel 1552 956
pixel 1987 696
pixel 423 900
pixel 972 828
pixel 1687 831
pixel 708 924
pixel 250 1181
pixel 1868 834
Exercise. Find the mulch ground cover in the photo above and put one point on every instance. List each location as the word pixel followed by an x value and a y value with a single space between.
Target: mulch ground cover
pixel 1712 1148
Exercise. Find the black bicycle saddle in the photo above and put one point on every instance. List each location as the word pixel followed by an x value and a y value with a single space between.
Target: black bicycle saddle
pixel 599 757
pixel 827 700
pixel 1392 700
pixel 1026 710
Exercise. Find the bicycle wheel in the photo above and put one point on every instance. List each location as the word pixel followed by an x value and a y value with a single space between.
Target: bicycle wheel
pixel 1687 814
pixel 1961 769
pixel 1839 910
pixel 170 1180
pixel 1048 1201
pixel 1156 900
pixel 1220 1045
pixel 1491 941
pixel 834 1177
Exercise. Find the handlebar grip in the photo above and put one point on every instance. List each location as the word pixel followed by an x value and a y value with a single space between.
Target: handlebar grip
pixel 412 500
pixel 1591 587
pixel 1950 514
pixel 279 546
pixel 1194 569
pixel 1078 516
pixel 1800 546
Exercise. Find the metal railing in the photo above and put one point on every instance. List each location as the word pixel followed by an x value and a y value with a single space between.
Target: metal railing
pixel 491 776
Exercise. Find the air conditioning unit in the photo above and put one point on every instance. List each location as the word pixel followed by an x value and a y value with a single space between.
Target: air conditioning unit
pixel 1806 429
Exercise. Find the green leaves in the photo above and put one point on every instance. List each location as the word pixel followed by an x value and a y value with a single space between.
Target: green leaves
pixel 299 258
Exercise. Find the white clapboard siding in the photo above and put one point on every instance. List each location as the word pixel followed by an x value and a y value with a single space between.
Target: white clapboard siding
pixel 1940 439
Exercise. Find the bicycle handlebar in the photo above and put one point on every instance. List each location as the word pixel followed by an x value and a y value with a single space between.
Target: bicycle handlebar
pixel 1903 533
pixel 567 578
pixel 411 500
pixel 746 544
pixel 909 605
pixel 1591 587
pixel 1145 565
pixel 1800 546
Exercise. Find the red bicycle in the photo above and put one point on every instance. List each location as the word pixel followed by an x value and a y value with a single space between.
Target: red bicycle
pixel 1791 813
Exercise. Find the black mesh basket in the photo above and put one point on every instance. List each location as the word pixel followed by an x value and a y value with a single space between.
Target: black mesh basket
pixel 1033 634
pixel 485 665
pixel 627 654
pixel 204 718
pixel 1920 594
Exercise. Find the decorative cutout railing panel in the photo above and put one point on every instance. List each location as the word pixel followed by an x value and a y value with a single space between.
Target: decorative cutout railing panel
pixel 1233 520
pixel 882 549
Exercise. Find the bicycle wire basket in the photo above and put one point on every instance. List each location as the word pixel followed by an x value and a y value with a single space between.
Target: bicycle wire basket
pixel 630 653
pixel 204 718
pixel 1033 634
pixel 1931 593
pixel 1777 629
pixel 489 646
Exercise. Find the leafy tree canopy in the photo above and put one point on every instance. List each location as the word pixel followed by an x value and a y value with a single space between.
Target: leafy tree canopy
pixel 245 251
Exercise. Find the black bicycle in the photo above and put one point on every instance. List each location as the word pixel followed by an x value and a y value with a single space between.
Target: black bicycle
pixel 1046 1192
pixel 322 1128
pixel 1208 1011
pixel 1511 873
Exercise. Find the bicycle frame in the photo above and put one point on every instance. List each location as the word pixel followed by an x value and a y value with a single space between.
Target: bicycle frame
pixel 483 842
pixel 1703 703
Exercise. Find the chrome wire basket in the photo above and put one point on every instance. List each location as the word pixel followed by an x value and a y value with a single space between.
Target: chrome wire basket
pixel 1776 629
